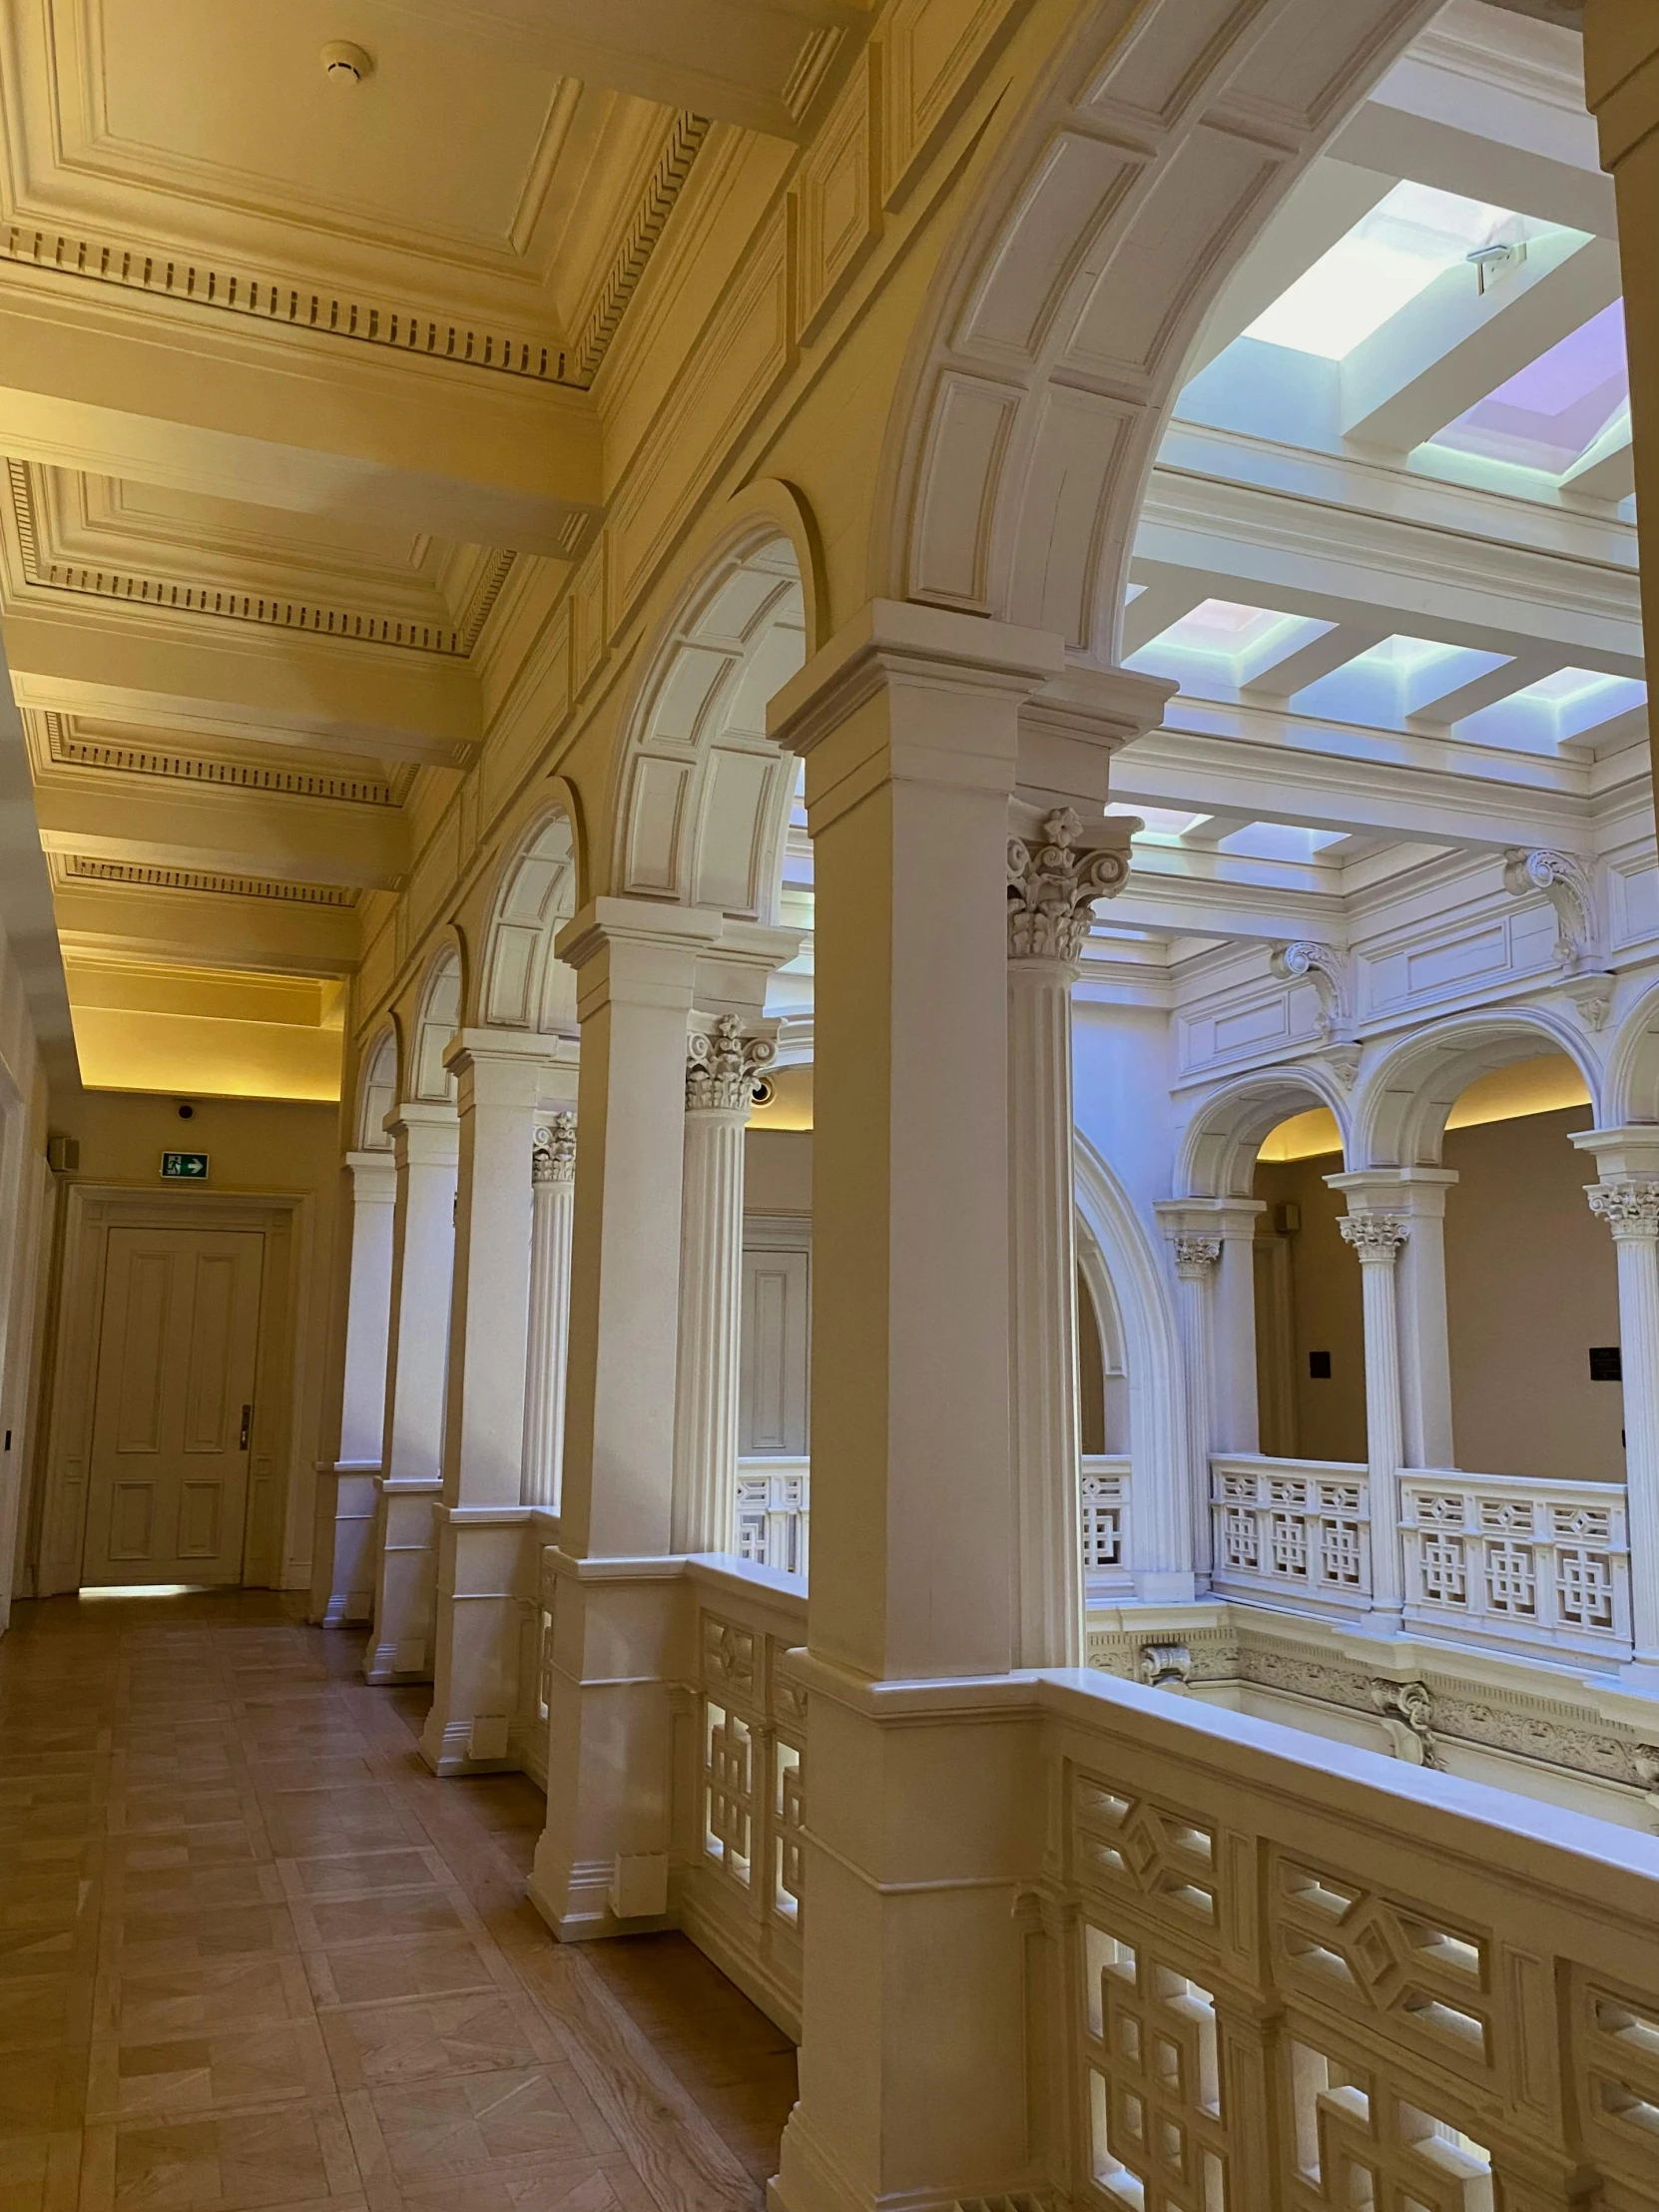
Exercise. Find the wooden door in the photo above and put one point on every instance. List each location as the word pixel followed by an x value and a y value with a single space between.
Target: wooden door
pixel 771 1418
pixel 176 1359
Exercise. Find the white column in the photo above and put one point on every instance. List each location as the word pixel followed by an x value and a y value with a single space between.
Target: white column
pixel 552 1210
pixel 1377 1238
pixel 722 1064
pixel 1052 886
pixel 1197 1259
pixel 609 1723
pixel 499 1078
pixel 351 1594
pixel 1627 1199
pixel 909 724
pixel 425 1141
pixel 1417 1196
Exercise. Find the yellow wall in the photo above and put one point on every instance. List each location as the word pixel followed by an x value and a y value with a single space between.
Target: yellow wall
pixel 1325 1291
pixel 254 1146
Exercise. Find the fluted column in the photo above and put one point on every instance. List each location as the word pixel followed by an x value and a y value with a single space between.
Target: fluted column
pixel 1052 886
pixel 722 1065
pixel 1378 1238
pixel 1627 1199
pixel 552 1210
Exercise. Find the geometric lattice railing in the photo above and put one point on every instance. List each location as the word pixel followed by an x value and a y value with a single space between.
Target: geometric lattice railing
pixel 773 1514
pixel 1294 1987
pixel 1104 1518
pixel 1514 1562
pixel 1292 1532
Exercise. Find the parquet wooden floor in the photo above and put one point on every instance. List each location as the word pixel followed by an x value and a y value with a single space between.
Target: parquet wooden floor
pixel 251 1953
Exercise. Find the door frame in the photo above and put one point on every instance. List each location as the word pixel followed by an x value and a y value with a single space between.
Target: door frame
pixel 94 1208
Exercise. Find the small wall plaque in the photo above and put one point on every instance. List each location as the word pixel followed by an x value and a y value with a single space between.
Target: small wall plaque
pixel 1319 1367
pixel 184 1167
pixel 1606 1364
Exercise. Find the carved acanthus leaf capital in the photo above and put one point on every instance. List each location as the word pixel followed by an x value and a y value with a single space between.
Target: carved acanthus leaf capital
pixel 1629 1207
pixel 722 1064
pixel 553 1151
pixel 1194 1257
pixel 1375 1236
pixel 1052 888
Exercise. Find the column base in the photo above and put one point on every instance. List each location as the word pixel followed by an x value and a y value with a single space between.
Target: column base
pixel 400 1648
pixel 586 1916
pixel 488 1560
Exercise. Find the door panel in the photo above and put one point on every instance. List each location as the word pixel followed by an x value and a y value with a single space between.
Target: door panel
pixel 772 1364
pixel 178 1345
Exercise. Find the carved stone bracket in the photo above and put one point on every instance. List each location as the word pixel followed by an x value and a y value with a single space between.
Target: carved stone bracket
pixel 553 1151
pixel 1376 1237
pixel 1165 1666
pixel 722 1064
pixel 1411 1707
pixel 1306 961
pixel 1052 888
pixel 1565 882
pixel 1629 1207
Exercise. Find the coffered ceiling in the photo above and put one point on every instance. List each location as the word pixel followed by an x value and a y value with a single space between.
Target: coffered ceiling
pixel 294 372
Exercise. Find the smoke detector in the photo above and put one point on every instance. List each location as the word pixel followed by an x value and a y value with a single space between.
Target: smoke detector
pixel 346 64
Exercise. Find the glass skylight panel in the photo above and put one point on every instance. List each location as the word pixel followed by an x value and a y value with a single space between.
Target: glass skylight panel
pixel 1159 825
pixel 1408 238
pixel 1389 682
pixel 1551 411
pixel 1223 639
pixel 1558 707
pixel 1278 841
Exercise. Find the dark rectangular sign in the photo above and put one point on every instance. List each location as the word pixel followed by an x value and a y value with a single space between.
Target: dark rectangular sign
pixel 184 1167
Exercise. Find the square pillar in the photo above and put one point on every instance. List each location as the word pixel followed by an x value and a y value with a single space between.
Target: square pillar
pixel 911 2079
pixel 501 1078
pixel 349 1598
pixel 609 1725
pixel 425 1144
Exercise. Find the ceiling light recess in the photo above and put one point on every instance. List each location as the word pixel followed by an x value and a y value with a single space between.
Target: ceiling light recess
pixel 346 64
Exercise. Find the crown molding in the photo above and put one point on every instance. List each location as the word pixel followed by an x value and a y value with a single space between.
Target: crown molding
pixel 130 587
pixel 59 742
pixel 77 871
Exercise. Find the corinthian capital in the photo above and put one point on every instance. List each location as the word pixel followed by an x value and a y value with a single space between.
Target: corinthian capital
pixel 1375 1236
pixel 1194 1257
pixel 1630 1209
pixel 1054 885
pixel 553 1151
pixel 722 1064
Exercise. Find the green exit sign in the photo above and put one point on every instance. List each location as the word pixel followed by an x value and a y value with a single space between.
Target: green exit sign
pixel 184 1167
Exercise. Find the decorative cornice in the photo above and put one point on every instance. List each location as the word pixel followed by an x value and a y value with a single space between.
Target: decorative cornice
pixel 400 330
pixel 270 610
pixel 1194 1257
pixel 662 189
pixel 137 757
pixel 267 299
pixel 722 1066
pixel 553 1151
pixel 1629 1207
pixel 1052 888
pixel 80 867
pixel 1376 1237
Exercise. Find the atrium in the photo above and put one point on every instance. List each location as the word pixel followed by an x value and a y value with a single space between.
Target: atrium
pixel 829 1106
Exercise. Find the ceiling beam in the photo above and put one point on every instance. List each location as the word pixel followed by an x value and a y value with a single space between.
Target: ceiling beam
pixel 1321 656
pixel 276 687
pixel 144 387
pixel 739 61
pixel 223 830
pixel 202 928
pixel 1453 343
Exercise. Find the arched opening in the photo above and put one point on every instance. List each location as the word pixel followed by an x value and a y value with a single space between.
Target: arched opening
pixel 1310 1327
pixel 436 1021
pixel 377 1092
pixel 524 985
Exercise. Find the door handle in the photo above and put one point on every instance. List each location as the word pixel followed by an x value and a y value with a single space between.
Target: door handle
pixel 247 1422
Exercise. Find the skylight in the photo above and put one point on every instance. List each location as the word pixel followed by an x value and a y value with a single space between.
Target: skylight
pixel 1551 411
pixel 1391 681
pixel 1159 825
pixel 1558 707
pixel 1408 238
pixel 1221 638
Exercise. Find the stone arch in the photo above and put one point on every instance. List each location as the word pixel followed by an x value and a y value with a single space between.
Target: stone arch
pixel 522 982
pixel 1125 1273
pixel 437 1017
pixel 1632 1082
pixel 1400 1115
pixel 1147 162
pixel 1218 1151
pixel 377 1091
pixel 700 797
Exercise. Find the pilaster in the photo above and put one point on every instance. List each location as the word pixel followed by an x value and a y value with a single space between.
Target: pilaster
pixel 552 1212
pixel 347 1483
